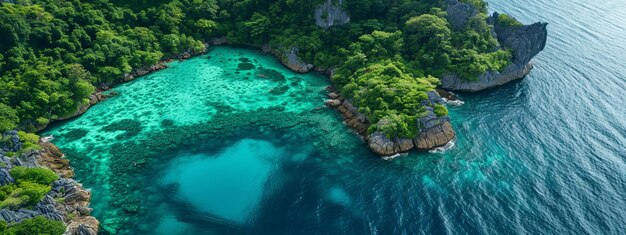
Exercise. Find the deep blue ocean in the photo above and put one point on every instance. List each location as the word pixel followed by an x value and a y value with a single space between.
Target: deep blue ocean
pixel 212 146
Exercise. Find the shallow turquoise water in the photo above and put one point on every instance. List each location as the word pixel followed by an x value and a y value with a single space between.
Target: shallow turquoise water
pixel 212 151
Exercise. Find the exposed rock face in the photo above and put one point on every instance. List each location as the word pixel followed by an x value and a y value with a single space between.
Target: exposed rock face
pixel 525 42
pixel 434 137
pixel 328 15
pixel 5 177
pixel 143 70
pixel 459 13
pixel 488 80
pixel 83 226
pixel 290 59
pixel 13 144
pixel 380 144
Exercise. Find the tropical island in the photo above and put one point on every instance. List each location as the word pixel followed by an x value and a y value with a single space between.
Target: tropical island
pixel 388 62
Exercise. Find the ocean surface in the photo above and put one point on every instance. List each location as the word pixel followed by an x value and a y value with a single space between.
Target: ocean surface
pixel 232 143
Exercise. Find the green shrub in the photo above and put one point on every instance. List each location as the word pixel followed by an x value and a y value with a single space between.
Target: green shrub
pixel 396 125
pixel 24 194
pixel 38 225
pixel 5 190
pixel 33 192
pixel 42 121
pixel 440 110
pixel 38 175
pixel 508 21
pixel 28 137
pixel 13 202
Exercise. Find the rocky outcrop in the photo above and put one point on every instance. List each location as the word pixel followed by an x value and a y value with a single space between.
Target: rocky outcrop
pixel 144 70
pixel 5 177
pixel 73 206
pixel 436 136
pixel 328 15
pixel 83 226
pixel 76 203
pixel 46 208
pixel 435 131
pixel 525 41
pixel 380 144
pixel 12 144
pixel 488 80
pixel 289 58
pixel 459 13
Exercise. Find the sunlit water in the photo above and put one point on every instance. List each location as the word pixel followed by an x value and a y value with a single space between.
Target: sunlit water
pixel 214 145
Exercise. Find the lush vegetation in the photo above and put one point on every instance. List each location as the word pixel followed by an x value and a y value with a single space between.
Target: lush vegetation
pixel 508 21
pixel 38 225
pixel 32 184
pixel 55 52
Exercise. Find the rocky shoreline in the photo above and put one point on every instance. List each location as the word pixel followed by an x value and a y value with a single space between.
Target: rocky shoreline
pixel 67 201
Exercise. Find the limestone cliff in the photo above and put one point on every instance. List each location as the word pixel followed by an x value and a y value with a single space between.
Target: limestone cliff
pixel 328 15
pixel 524 41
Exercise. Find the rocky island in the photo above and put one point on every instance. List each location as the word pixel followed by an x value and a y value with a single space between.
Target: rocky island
pixel 386 61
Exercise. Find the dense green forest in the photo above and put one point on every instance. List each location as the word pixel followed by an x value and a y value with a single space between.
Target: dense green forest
pixel 55 53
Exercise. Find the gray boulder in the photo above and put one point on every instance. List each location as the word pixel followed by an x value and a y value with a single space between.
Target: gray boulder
pixel 293 62
pixel 5 177
pixel 83 230
pixel 13 144
pixel 13 216
pixel 27 159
